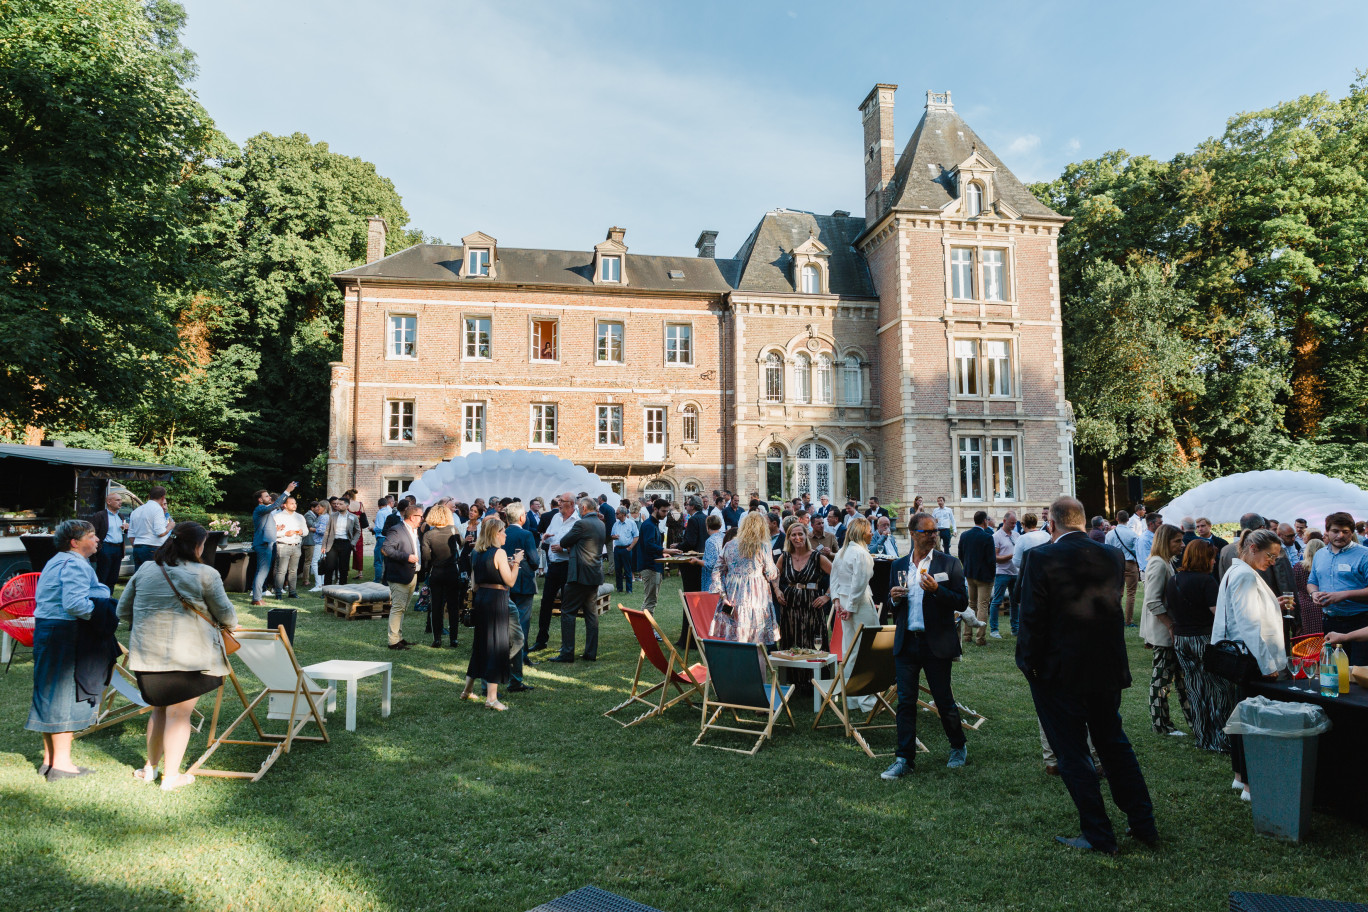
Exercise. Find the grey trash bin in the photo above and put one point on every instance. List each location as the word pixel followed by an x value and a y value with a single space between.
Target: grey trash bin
pixel 1280 741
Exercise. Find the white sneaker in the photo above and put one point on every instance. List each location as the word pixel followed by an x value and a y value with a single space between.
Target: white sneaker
pixel 316 589
pixel 1244 796
pixel 1178 734
pixel 995 635
pixel 1237 785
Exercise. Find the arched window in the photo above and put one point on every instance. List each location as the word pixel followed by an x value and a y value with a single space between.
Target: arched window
pixel 812 280
pixel 973 199
pixel 854 386
pixel 774 377
pixel 774 474
pixel 802 376
pixel 824 378
pixel 854 474
pixel 813 471
pixel 658 489
pixel 691 488
pixel 691 424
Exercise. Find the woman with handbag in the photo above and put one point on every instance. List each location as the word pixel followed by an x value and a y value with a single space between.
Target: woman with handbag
pixel 180 617
pixel 1249 613
pixel 1190 600
pixel 1156 629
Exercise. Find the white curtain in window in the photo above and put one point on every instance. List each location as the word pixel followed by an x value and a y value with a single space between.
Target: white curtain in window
pixel 824 378
pixel 854 387
pixel 802 374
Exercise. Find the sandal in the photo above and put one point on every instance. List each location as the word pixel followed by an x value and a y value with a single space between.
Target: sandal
pixel 496 706
pixel 171 783
pixel 146 774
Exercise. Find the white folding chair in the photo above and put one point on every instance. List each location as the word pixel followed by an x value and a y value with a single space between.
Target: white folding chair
pixel 123 686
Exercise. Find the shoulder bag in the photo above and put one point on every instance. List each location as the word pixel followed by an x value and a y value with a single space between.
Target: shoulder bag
pixel 230 642
pixel 1232 660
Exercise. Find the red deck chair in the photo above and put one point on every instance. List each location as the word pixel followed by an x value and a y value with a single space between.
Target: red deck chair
pixel 700 608
pixel 17 605
pixel 660 652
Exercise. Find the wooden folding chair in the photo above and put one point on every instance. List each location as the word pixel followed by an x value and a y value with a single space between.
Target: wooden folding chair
pixel 699 608
pixel 741 679
pixel 291 695
pixel 965 712
pixel 122 700
pixel 660 652
pixel 867 670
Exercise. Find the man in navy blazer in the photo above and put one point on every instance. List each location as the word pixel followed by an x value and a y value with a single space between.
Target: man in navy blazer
pixel 926 640
pixel 1072 648
pixel 978 555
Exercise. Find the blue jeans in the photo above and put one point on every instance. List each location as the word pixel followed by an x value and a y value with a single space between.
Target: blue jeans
pixel 379 558
pixel 265 555
pixel 142 554
pixel 622 563
pixel 1002 589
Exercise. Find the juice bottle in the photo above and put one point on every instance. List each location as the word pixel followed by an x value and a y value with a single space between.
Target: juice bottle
pixel 1329 675
pixel 1342 669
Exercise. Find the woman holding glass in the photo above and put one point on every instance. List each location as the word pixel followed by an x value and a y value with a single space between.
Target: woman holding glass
pixel 802 597
pixel 492 573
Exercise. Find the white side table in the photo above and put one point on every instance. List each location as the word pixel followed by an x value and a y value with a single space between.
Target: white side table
pixel 816 666
pixel 336 670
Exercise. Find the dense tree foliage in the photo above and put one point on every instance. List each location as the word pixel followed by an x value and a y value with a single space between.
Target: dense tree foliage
pixel 1236 272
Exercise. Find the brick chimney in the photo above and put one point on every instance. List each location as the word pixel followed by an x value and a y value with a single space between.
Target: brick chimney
pixel 707 245
pixel 876 111
pixel 617 234
pixel 376 230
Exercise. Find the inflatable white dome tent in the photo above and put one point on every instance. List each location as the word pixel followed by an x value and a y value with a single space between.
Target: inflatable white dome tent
pixel 1275 494
pixel 508 473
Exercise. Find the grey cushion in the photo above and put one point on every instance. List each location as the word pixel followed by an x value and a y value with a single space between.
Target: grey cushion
pixel 359 592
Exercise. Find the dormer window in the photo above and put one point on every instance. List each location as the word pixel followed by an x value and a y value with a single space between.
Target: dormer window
pixel 809 267
pixel 812 280
pixel 477 261
pixel 973 199
pixel 610 269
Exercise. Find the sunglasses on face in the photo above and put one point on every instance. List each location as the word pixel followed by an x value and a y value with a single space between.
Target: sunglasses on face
pixel 924 532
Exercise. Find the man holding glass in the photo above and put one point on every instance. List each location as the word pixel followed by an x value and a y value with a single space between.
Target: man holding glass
pixel 928 592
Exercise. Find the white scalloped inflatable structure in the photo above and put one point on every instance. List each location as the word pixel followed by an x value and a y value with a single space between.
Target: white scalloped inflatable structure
pixel 1279 494
pixel 509 473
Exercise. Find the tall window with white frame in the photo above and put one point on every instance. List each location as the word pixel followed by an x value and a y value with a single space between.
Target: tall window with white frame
pixel 690 424
pixel 854 474
pixel 678 343
pixel 609 425
pixel 812 279
pixel 477 338
pixel 824 378
pixel 403 336
pixel 774 473
pixel 397 486
pixel 966 367
pixel 545 340
pixel 477 261
pixel 994 274
pixel 774 377
pixel 802 376
pixel 973 199
pixel 962 273
pixel 971 468
pixel 544 424
pixel 473 427
pixel 610 269
pixel 1004 468
pixel 997 361
pixel 399 426
pixel 610 349
pixel 854 383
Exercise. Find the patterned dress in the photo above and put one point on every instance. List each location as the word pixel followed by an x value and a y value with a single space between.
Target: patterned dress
pixel 800 622
pixel 744 583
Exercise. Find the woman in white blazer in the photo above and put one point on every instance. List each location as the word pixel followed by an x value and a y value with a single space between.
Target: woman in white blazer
pixel 851 600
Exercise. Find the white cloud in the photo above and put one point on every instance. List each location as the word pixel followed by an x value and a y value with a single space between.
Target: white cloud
pixel 1023 144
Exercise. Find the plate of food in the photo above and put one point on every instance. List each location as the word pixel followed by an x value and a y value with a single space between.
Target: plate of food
pixel 802 654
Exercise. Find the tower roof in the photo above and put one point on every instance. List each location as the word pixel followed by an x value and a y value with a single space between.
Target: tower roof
pixel 942 141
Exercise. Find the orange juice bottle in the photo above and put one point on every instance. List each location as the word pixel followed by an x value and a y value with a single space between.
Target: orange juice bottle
pixel 1342 669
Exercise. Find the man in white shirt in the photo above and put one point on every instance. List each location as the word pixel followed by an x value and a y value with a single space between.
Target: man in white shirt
pixel 111 529
pixel 623 539
pixel 557 564
pixel 1004 578
pixel 1152 523
pixel 945 523
pixel 383 510
pixel 1137 522
pixel 149 526
pixel 1127 542
pixel 291 531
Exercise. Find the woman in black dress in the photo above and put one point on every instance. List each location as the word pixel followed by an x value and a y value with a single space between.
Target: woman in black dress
pixel 802 600
pixel 491 573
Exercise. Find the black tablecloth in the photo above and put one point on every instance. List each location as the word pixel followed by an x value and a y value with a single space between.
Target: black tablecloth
pixel 1343 753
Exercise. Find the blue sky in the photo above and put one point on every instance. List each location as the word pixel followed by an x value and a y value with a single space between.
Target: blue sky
pixel 543 123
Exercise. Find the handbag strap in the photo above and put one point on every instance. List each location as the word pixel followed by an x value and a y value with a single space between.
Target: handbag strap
pixel 186 603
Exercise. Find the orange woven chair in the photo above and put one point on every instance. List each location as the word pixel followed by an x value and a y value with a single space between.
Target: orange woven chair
pixel 656 648
pixel 17 605
pixel 1306 646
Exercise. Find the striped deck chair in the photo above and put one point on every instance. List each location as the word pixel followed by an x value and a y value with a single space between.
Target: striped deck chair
pixel 741 680
pixel 866 671
pixel 657 649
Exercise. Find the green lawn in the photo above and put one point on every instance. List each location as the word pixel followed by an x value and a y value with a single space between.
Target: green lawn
pixel 448 806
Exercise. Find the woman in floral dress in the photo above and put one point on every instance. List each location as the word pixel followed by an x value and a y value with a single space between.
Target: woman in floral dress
pixel 746 577
pixel 802 599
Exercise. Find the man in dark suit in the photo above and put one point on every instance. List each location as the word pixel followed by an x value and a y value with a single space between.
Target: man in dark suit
pixel 926 641
pixel 583 546
pixel 979 557
pixel 1072 648
pixel 609 516
pixel 402 555
pixel 691 574
pixel 112 531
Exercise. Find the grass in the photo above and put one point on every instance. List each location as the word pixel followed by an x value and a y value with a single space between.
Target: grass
pixel 445 806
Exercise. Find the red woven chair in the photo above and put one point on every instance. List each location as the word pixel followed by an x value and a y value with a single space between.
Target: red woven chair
pixel 17 588
pixel 18 625
pixel 660 652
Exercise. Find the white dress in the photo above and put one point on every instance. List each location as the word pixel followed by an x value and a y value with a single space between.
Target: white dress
pixel 851 572
pixel 1248 611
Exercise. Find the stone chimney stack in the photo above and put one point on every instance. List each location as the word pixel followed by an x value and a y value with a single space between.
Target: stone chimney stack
pixel 707 245
pixel 617 234
pixel 376 231
pixel 876 112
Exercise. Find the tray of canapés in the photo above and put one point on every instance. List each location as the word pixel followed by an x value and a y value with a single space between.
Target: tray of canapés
pixel 801 654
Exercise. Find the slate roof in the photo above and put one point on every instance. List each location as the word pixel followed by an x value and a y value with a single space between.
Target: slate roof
pixel 766 256
pixel 440 263
pixel 942 140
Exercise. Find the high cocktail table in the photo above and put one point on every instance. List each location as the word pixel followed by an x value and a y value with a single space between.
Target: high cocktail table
pixel 352 671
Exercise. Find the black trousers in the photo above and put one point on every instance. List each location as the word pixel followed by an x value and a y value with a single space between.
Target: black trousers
pixel 556 572
pixel 442 602
pixel 690 580
pixel 1068 719
pixel 915 658
pixel 107 561
pixel 338 561
pixel 577 599
pixel 945 536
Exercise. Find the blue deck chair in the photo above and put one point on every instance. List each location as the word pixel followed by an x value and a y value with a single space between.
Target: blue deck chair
pixel 741 679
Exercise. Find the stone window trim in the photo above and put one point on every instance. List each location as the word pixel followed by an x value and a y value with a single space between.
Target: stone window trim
pixel 536 343
pixel 477 409
pixel 976 245
pixel 390 335
pixel 985 437
pixel 399 424
pixel 605 410
pixel 469 337
pixel 608 249
pixel 551 425
pixel 666 326
pixel 813 254
pixel 1013 340
pixel 772 368
pixel 866 379
pixel 396 485
pixel 690 410
pixel 471 246
pixel 622 336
